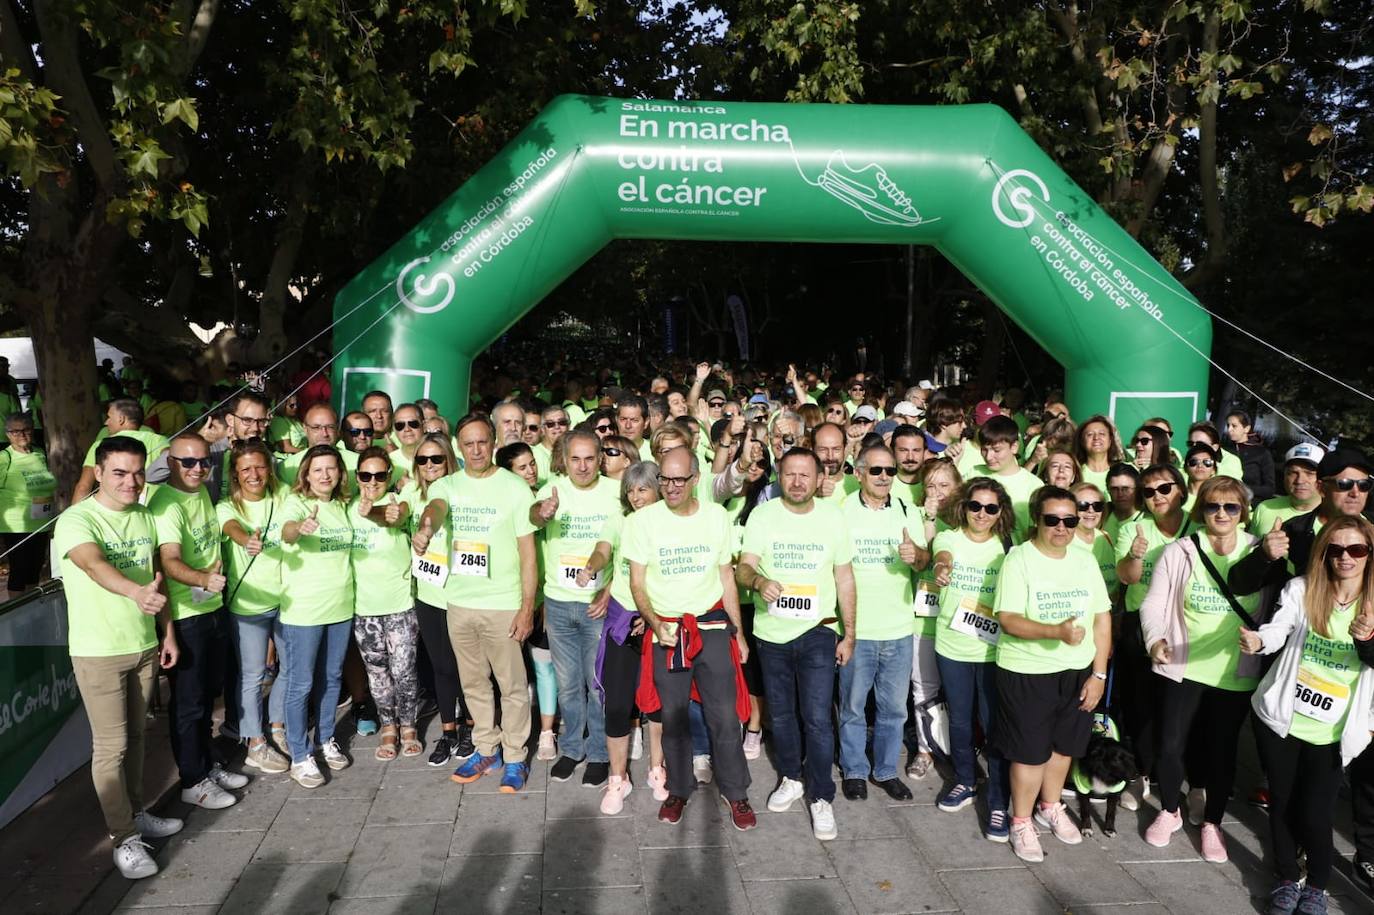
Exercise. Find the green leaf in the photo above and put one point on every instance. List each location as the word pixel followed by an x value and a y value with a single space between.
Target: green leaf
pixel 182 109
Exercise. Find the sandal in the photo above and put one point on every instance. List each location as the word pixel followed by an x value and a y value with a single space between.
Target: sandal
pixel 410 742
pixel 386 750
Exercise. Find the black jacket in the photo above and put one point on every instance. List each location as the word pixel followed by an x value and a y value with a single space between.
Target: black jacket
pixel 1253 572
pixel 1258 469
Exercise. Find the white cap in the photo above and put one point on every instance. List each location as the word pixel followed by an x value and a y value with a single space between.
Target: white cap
pixel 1305 451
pixel 926 384
pixel 866 412
pixel 906 408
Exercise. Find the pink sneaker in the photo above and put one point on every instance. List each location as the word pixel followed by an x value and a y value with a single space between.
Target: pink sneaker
pixel 1164 826
pixel 617 789
pixel 658 781
pixel 1213 844
pixel 753 744
pixel 1025 843
pixel 1056 820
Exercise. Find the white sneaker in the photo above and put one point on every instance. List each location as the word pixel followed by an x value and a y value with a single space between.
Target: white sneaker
pixel 334 756
pixel 701 768
pixel 785 795
pixel 637 743
pixel 1129 800
pixel 753 744
pixel 132 858
pixel 822 820
pixel 307 774
pixel 155 827
pixel 617 789
pixel 208 795
pixel 264 756
pixel 227 779
pixel 548 747
pixel 1197 806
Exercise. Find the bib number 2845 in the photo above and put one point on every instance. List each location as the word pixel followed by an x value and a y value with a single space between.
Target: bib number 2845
pixel 470 558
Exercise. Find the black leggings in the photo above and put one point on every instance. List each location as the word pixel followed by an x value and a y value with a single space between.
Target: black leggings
pixel 26 562
pixel 434 635
pixel 620 678
pixel 1303 781
pixel 1137 698
pixel 1210 750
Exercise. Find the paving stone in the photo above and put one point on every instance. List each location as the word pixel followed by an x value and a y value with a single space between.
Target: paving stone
pixel 389 905
pixel 588 853
pixel 605 900
pixel 1006 891
pixel 257 808
pixel 887 875
pixel 1126 908
pixel 781 847
pixel 509 883
pixel 571 800
pixel 1078 875
pixel 692 880
pixel 359 780
pixel 413 801
pixel 499 824
pixel 951 840
pixel 1192 887
pixel 795 897
pixel 286 888
pixel 197 869
pixel 314 829
pixel 397 861
pixel 874 818
pixel 704 824
pixel 50 893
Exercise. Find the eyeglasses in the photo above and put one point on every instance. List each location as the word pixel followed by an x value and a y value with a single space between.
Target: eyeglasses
pixel 1345 484
pixel 251 420
pixel 381 476
pixel 612 452
pixel 973 508
pixel 320 427
pixel 555 423
pixel 1202 462
pixel 423 459
pixel 354 433
pixel 1231 508
pixel 408 424
pixel 674 481
pixel 1069 521
pixel 19 432
pixel 189 462
pixel 1091 506
pixel 1144 440
pixel 604 430
pixel 1355 550
pixel 882 471
pixel 789 440
pixel 1162 489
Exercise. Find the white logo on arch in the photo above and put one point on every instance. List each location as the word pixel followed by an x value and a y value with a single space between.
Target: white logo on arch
pixel 1018 197
pixel 426 286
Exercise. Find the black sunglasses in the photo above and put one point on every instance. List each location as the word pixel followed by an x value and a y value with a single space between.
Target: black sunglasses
pixel 408 424
pixel 715 403
pixel 423 459
pixel 1144 440
pixel 1231 508
pixel 992 508
pixel 1091 506
pixel 1071 521
pixel 1163 489
pixel 532 427
pixel 604 430
pixel 189 462
pixel 882 471
pixel 552 424
pixel 1344 484
pixel 1356 550
pixel 380 476
pixel 354 433
pixel 612 452
pixel 1202 462
pixel 861 420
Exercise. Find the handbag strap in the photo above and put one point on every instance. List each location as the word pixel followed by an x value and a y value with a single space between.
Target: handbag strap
pixel 1221 584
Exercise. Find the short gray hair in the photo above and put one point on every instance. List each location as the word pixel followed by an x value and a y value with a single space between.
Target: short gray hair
pixel 640 473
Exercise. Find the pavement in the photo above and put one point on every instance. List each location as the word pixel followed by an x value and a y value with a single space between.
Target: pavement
pixel 400 837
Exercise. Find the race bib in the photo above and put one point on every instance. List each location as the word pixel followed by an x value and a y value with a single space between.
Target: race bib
pixel 972 618
pixel 200 595
pixel 927 599
pixel 569 566
pixel 797 602
pixel 41 508
pixel 1320 699
pixel 429 568
pixel 470 558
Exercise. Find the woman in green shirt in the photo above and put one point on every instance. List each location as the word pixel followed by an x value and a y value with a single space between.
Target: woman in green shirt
pixel 27 500
pixel 1200 464
pixel 384 623
pixel 1089 535
pixel 1122 482
pixel 316 607
pixel 250 524
pixel 1098 447
pixel 1060 468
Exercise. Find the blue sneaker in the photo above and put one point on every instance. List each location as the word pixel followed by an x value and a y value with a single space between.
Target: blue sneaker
pixel 475 766
pixel 999 826
pixel 365 719
pixel 513 779
pixel 956 798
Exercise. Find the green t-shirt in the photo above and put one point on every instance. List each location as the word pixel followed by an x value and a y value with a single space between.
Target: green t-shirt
pixel 317 574
pixel 1156 541
pixel 1020 486
pixel 1096 477
pixel 619 567
pixel 1049 591
pixel 926 594
pixel 1229 465
pixel 1279 507
pixel 967 628
pixel 1104 554
pixel 913 494
pixel 291 431
pixel 1213 627
pixel 682 556
pixel 291 466
pixel 27 491
pixel 1326 681
pixel 569 539
pixel 101 624
pixel 188 518
pixel 425 591
pixel 543 457
pixel 800 552
pixel 486 518
pixel 254 585
pixel 882 581
pixel 154 443
pixel 970 461
pixel 381 566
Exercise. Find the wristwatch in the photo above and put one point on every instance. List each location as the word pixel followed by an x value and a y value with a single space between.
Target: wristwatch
pixel 1098 676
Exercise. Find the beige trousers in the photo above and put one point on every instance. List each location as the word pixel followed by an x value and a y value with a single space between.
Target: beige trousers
pixel 116 692
pixel 483 648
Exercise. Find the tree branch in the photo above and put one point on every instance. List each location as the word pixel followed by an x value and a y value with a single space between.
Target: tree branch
pixel 1207 173
pixel 13 48
pixel 1066 18
pixel 198 32
pixel 62 72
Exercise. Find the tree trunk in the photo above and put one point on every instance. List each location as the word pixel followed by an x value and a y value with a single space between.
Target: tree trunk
pixel 994 342
pixel 64 347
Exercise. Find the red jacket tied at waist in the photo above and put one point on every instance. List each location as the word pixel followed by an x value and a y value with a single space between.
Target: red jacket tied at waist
pixel 680 658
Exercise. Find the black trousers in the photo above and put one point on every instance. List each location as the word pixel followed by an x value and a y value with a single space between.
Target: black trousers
pixel 620 678
pixel 1210 750
pixel 434 636
pixel 1303 781
pixel 714 675
pixel 1138 699
pixel 196 681
pixel 1362 797
pixel 26 562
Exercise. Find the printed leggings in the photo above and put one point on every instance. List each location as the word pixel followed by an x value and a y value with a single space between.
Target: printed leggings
pixel 388 644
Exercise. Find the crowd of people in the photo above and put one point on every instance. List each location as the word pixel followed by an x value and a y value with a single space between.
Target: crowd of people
pixel 865 578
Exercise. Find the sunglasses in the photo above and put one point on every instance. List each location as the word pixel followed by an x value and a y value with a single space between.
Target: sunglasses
pixel 1162 489
pixel 1345 484
pixel 354 433
pixel 532 427
pixel 612 452
pixel 604 430
pixel 423 459
pixel 1144 440
pixel 381 476
pixel 408 424
pixel 1091 506
pixel 1069 521
pixel 189 462
pixel 882 471
pixel 554 423
pixel 862 421
pixel 973 508
pixel 1355 550
pixel 789 440
pixel 1202 462
pixel 1231 508
pixel 715 404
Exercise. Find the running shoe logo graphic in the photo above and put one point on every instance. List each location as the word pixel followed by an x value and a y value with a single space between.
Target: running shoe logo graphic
pixel 870 191
pixel 425 286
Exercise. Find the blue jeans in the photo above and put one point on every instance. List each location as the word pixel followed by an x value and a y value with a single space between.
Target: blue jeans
pixel 802 669
pixel 882 666
pixel 971 687
pixel 573 639
pixel 314 667
pixel 251 635
pixel 701 737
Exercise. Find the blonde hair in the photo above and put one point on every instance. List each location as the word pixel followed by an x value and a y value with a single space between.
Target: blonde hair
pixel 1215 487
pixel 1320 598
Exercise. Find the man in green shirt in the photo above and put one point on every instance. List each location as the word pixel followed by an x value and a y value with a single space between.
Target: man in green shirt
pixel 1301 485
pixel 188 535
pixel 553 424
pixel 796 558
pixel 997 441
pixel 122 417
pixel 377 408
pixel 106 545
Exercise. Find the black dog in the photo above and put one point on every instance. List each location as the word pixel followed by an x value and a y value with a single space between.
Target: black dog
pixel 1103 771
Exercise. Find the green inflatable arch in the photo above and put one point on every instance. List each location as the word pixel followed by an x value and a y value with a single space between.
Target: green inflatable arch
pixel 965 179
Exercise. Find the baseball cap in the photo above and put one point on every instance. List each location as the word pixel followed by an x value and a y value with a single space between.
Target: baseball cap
pixel 886 426
pixel 1306 453
pixel 926 384
pixel 866 412
pixel 715 394
pixel 759 399
pixel 1341 458
pixel 906 408
pixel 985 411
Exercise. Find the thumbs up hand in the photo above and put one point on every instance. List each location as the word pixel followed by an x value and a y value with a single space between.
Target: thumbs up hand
pixel 393 511
pixel 549 507
pixel 149 597
pixel 214 577
pixel 1275 543
pixel 1139 545
pixel 311 524
pixel 1071 633
pixel 827 487
pixel 906 550
pixel 254 545
pixel 364 506
pixel 419 541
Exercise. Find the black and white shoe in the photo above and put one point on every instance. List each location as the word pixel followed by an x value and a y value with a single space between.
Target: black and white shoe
pixel 443 750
